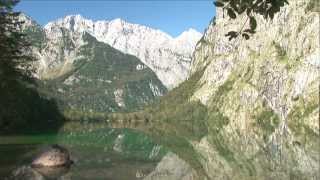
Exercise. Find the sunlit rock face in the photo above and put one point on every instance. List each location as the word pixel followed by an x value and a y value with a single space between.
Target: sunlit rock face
pixel 85 74
pixel 126 65
pixel 262 95
pixel 168 57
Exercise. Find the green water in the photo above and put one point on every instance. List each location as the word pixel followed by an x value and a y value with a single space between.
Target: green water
pixel 100 154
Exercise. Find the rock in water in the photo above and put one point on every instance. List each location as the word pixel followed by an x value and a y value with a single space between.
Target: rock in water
pixel 39 173
pixel 25 173
pixel 52 172
pixel 54 156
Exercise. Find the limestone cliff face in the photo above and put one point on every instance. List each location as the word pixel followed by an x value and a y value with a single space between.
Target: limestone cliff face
pixel 83 73
pixel 169 57
pixel 263 97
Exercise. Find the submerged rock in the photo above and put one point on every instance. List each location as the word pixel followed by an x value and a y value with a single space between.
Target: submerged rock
pixel 25 173
pixel 54 156
pixel 172 167
pixel 39 173
pixel 52 172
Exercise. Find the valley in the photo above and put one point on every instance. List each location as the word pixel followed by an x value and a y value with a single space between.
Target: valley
pixel 136 103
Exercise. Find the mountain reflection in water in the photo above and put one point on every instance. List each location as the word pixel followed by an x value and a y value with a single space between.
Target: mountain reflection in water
pixel 103 153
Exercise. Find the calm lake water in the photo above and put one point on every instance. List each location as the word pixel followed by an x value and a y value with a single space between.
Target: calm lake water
pixel 117 154
pixel 124 152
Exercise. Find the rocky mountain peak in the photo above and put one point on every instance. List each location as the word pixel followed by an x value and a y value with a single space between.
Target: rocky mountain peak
pixel 188 39
pixel 27 21
pixel 168 57
pixel 189 34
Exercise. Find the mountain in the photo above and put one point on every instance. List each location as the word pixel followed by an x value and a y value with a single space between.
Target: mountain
pixel 84 74
pixel 262 96
pixel 168 57
pixel 250 108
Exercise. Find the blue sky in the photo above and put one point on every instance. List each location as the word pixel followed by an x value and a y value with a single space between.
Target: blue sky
pixel 172 17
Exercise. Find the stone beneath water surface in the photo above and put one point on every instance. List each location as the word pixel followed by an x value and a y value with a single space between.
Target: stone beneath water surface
pixel 54 156
pixel 39 173
pixel 25 173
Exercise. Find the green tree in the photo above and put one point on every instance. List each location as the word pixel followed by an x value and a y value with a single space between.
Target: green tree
pixel 22 108
pixel 15 57
pixel 234 8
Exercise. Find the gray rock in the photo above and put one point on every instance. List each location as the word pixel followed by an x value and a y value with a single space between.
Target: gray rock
pixel 54 156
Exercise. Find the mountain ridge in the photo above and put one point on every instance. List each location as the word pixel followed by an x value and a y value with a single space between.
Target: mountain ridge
pixel 168 57
pixel 117 20
pixel 85 74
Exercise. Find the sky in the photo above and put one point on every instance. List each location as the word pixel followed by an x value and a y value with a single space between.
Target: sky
pixel 170 16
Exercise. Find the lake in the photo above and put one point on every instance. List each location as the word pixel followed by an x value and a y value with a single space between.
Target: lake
pixel 99 154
